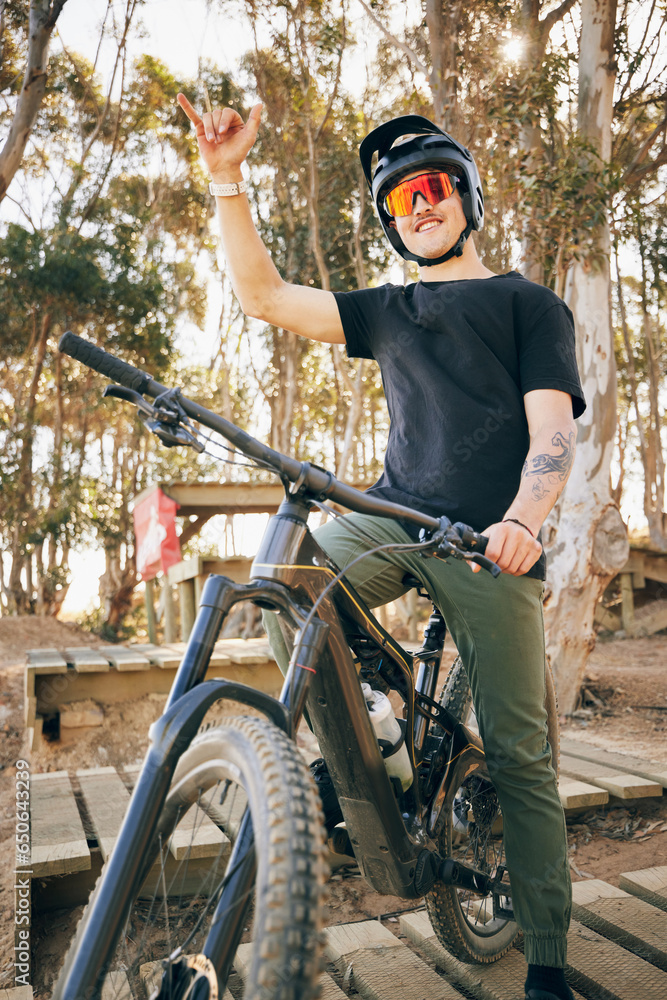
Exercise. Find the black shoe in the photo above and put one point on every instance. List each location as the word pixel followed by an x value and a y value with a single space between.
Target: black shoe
pixel 547 983
pixel 332 811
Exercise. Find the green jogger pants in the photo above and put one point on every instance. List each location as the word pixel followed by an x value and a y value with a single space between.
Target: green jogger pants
pixel 498 629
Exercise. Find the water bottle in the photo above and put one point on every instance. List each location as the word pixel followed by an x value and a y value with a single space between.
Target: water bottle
pixel 387 728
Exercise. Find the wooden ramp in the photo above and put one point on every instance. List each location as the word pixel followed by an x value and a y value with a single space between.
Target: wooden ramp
pixel 599 968
pixel 59 678
pixel 501 980
pixel 623 762
pixel 74 834
pixel 619 782
pixel 617 950
pixel 650 884
pixel 626 919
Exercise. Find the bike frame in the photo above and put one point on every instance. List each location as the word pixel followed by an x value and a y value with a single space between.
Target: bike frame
pixel 389 833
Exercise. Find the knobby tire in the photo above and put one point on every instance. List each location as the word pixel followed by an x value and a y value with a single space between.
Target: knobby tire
pixel 245 761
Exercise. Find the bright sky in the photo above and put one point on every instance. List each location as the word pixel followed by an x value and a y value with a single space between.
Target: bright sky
pixel 179 32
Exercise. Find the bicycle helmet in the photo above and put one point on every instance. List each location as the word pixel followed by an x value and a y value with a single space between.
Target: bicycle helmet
pixel 428 147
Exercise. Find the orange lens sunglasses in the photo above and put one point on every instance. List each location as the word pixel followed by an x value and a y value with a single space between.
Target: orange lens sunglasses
pixel 434 186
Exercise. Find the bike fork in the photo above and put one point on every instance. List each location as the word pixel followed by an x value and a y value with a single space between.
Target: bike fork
pixel 232 907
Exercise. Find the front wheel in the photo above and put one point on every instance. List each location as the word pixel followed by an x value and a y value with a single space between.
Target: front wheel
pixel 247 762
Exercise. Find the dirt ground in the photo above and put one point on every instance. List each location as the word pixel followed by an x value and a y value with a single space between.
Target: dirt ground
pixel 624 707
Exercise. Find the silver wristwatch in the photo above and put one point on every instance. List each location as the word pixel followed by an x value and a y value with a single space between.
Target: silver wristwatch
pixel 227 190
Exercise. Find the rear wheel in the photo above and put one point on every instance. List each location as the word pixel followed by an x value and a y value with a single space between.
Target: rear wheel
pixel 457 697
pixel 473 833
pixel 246 762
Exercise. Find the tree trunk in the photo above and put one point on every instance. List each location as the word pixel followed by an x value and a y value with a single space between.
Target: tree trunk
pixel 43 17
pixel 443 21
pixel 653 458
pixel 536 33
pixel 20 595
pixel 591 540
pixel 530 136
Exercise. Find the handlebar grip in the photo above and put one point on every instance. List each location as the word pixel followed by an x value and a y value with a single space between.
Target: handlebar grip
pixel 472 540
pixel 104 363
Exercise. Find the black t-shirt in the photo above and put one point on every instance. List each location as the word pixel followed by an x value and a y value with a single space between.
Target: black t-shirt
pixel 456 359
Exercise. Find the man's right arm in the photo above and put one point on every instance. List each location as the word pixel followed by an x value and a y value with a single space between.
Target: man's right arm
pixel 224 141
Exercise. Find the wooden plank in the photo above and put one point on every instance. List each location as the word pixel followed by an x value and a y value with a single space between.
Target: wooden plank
pixel 217 659
pixel 650 619
pixel 649 769
pixel 116 986
pixel 650 564
pixel 382 966
pixel 58 893
pixel 246 651
pixel 579 794
pixel 33 735
pixel 46 661
pixel 604 969
pixel 106 799
pixel 623 918
pixel 30 712
pixel 607 618
pixel 17 993
pixel 58 839
pixel 627 603
pixel 197 836
pixel 84 659
pixel 29 694
pixel 329 990
pixel 623 785
pixel 123 658
pixel 162 656
pixel 498 981
pixel 649 884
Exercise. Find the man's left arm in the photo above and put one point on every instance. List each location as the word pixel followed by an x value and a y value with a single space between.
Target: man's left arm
pixel 514 547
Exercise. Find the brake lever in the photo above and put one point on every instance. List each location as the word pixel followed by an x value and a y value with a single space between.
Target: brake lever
pixel 487 564
pixel 450 539
pixel 173 435
pixel 162 422
pixel 130 396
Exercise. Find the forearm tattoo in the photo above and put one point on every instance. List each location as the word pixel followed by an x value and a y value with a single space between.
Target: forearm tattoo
pixel 550 472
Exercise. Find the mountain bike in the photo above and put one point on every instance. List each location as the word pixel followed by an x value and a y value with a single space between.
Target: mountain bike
pixel 165 923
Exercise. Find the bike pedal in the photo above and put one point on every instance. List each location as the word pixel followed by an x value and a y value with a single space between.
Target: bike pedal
pixel 500 910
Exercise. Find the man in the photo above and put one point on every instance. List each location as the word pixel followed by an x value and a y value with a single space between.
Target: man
pixel 482 389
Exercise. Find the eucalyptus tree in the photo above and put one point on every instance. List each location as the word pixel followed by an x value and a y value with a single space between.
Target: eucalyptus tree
pixel 312 212
pixel 641 353
pixel 109 247
pixel 25 33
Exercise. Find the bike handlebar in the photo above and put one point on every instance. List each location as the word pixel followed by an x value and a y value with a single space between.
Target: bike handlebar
pixel 319 482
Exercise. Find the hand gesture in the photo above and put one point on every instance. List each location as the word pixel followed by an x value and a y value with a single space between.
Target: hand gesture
pixel 224 140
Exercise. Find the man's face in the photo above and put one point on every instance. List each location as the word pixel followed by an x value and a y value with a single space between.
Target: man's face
pixel 431 230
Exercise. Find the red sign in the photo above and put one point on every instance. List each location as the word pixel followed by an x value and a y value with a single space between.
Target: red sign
pixel 157 543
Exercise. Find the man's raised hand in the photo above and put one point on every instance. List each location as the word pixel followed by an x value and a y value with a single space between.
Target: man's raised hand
pixel 223 137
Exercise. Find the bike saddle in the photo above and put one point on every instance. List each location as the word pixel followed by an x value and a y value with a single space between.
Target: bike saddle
pixel 415 584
